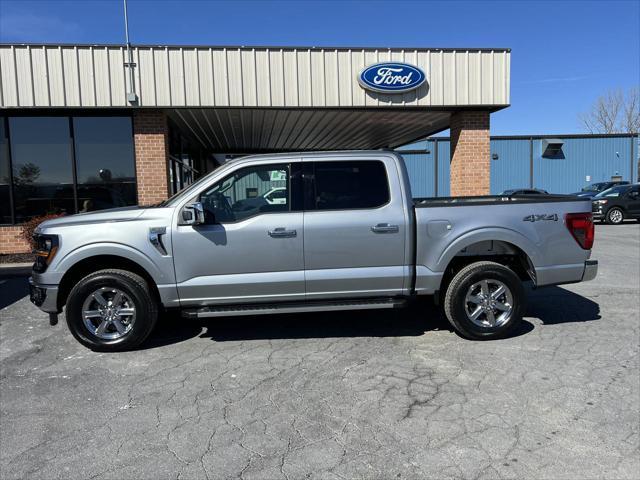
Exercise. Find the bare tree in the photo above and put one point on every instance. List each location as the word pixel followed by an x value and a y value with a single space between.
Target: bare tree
pixel 631 118
pixel 614 112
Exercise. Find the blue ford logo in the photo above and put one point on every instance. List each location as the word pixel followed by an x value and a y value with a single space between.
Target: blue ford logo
pixel 391 77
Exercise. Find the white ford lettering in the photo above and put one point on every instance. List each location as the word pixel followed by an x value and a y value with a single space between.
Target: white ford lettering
pixel 391 77
pixel 386 76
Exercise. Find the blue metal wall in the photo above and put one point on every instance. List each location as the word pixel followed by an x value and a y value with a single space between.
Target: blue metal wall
pixel 420 168
pixel 511 168
pixel 599 157
pixel 444 164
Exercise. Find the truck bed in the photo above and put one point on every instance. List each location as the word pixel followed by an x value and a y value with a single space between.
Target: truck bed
pixel 532 224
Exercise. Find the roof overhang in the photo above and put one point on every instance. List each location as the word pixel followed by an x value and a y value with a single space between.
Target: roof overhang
pixel 278 129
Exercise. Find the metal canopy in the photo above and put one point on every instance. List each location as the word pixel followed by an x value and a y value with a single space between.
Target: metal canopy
pixel 263 130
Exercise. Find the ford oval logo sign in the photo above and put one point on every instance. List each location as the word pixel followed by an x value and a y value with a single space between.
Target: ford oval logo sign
pixel 391 77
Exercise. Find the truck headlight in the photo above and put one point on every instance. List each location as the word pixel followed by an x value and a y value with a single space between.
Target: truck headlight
pixel 46 247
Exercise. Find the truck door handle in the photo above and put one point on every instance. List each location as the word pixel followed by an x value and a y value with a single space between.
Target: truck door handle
pixel 282 232
pixel 385 228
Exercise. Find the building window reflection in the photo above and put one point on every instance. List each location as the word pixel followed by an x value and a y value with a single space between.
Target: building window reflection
pixel 104 162
pixel 61 164
pixel 42 166
pixel 187 162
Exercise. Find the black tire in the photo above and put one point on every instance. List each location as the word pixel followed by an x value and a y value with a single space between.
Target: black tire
pixel 616 220
pixel 455 304
pixel 137 292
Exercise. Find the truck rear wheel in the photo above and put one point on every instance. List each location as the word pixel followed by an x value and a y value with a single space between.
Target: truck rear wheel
pixel 484 301
pixel 111 310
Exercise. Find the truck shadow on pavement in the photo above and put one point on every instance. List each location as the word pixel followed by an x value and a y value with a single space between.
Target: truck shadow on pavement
pixel 413 321
pixel 552 305
pixel 555 305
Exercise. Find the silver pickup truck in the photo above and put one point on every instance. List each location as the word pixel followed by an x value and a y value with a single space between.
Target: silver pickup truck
pixel 343 233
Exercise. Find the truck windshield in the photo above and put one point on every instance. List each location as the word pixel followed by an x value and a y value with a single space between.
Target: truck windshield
pixel 613 191
pixel 595 187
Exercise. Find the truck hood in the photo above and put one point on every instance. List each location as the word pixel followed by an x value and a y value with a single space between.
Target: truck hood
pixel 122 214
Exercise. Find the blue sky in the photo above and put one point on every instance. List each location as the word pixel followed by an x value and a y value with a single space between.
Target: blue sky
pixel 564 53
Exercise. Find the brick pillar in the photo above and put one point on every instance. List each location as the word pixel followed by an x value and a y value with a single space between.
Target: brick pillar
pixel 470 153
pixel 151 138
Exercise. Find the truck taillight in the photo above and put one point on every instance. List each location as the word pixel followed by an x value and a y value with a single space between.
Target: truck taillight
pixel 581 227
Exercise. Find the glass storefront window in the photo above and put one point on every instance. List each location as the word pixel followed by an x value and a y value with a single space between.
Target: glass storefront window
pixel 186 161
pixel 5 176
pixel 104 162
pixel 42 166
pixel 41 152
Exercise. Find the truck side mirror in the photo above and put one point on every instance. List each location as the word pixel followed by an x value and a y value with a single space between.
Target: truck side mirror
pixel 193 214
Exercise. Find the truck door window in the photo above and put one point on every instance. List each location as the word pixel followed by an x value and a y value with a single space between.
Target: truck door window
pixel 350 185
pixel 248 192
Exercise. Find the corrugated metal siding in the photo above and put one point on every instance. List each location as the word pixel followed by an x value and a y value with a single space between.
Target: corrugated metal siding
pixel 635 148
pixel 420 167
pixel 444 164
pixel 253 181
pixel 512 168
pixel 87 76
pixel 599 158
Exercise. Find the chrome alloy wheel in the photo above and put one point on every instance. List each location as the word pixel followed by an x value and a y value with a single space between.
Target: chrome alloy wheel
pixel 489 303
pixel 615 216
pixel 108 313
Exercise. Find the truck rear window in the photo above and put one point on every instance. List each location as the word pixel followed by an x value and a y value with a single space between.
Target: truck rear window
pixel 350 185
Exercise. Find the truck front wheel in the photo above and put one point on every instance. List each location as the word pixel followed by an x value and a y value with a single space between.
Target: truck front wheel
pixel 484 301
pixel 111 310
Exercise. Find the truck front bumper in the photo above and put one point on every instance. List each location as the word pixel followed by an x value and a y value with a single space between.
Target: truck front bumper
pixel 590 270
pixel 45 297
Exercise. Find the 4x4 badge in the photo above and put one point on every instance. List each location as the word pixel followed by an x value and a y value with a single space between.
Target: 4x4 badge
pixel 544 216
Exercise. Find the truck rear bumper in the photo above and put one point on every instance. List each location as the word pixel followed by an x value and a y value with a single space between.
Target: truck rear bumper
pixel 562 274
pixel 590 270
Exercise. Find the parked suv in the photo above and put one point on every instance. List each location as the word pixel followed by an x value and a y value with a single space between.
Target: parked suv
pixel 617 204
pixel 596 188
pixel 525 191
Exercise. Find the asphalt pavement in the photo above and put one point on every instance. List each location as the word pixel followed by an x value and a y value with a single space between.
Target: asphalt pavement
pixel 371 394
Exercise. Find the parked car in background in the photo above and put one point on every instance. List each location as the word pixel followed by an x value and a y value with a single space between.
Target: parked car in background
pixel 276 196
pixel 617 204
pixel 595 188
pixel 525 191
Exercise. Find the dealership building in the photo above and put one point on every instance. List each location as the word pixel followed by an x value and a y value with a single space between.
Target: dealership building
pixel 88 127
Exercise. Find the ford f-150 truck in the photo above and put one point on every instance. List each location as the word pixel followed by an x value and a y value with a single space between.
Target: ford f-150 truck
pixel 348 235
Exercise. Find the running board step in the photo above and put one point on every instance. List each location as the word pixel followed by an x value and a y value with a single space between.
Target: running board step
pixel 297 307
